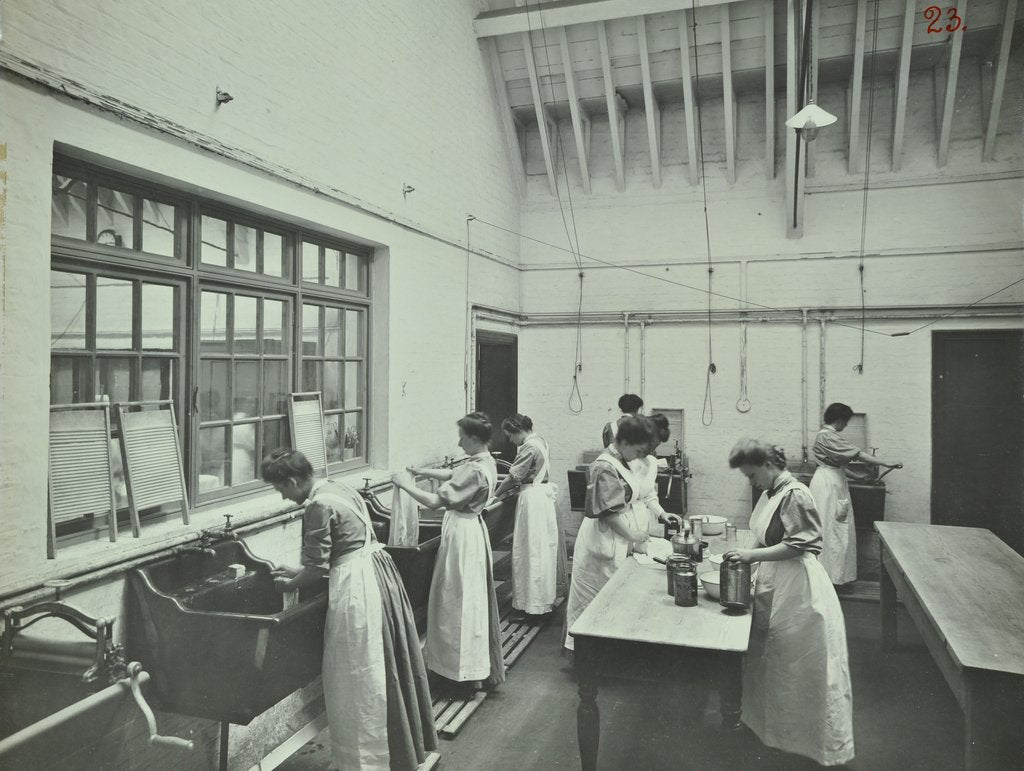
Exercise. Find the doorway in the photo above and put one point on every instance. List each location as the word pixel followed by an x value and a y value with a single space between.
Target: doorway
pixel 497 384
pixel 978 431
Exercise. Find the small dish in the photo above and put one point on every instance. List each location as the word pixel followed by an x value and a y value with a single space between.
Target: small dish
pixel 709 581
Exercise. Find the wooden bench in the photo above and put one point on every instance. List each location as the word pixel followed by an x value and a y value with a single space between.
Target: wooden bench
pixel 964 589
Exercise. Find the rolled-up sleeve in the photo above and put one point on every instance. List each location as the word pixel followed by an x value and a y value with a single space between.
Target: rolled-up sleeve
pixel 316 537
pixel 832 449
pixel 799 524
pixel 607 493
pixel 466 483
pixel 526 461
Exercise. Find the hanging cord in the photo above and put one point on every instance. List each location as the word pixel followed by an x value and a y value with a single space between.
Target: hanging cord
pixel 707 415
pixel 859 366
pixel 575 397
pixel 743 403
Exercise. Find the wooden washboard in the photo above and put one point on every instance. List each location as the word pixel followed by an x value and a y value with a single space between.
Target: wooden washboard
pixel 306 420
pixel 80 481
pixel 152 457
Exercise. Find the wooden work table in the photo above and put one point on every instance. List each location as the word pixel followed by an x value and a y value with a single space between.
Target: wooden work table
pixel 964 589
pixel 633 629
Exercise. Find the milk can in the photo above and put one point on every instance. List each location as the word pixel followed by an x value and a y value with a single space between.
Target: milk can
pixel 685 584
pixel 672 564
pixel 697 526
pixel 734 585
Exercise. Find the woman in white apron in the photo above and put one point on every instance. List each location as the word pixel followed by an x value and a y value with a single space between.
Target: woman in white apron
pixel 629 406
pixel 538 548
pixel 831 492
pixel 375 684
pixel 608 533
pixel 648 512
pixel 796 674
pixel 463 643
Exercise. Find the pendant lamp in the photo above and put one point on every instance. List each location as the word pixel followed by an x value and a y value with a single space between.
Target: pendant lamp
pixel 809 120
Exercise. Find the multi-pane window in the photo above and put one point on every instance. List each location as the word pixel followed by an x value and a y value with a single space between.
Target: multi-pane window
pixel 156 294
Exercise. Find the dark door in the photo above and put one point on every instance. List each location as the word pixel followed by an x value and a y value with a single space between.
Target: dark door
pixel 978 431
pixel 497 375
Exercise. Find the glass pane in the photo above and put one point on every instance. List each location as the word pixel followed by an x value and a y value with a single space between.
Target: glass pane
pixel 67 207
pixel 354 343
pixel 245 325
pixel 310 262
pixel 355 272
pixel 113 313
pixel 274 324
pixel 157 379
pixel 213 457
pixel 213 323
pixel 332 437
pixel 157 317
pixel 115 379
pixel 332 332
pixel 333 265
pixel 311 376
pixel 245 248
pixel 275 387
pixel 332 385
pixel 243 453
pixel 67 310
pixel 114 218
pixel 157 228
pixel 213 389
pixel 353 435
pixel 275 434
pixel 68 380
pixel 246 393
pixel 311 330
pixel 273 254
pixel 214 234
pixel 353 384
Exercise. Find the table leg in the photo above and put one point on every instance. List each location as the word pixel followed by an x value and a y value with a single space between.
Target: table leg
pixel 887 605
pixel 588 722
pixel 730 690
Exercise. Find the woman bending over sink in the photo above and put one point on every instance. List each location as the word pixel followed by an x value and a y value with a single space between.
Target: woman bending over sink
pixel 378 701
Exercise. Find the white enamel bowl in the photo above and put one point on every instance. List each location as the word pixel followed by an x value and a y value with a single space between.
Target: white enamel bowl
pixel 709 581
pixel 713 525
pixel 715 560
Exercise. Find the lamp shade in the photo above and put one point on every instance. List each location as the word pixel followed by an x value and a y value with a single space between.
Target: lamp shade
pixel 811 117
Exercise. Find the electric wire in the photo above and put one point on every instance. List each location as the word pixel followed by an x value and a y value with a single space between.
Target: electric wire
pixel 958 310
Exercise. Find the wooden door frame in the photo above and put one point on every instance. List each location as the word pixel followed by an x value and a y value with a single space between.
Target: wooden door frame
pixel 489 337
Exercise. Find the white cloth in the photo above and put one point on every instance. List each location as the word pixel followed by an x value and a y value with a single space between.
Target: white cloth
pixel 458 624
pixel 598 553
pixel 354 679
pixel 646 508
pixel 405 519
pixel 796 675
pixel 831 493
pixel 535 542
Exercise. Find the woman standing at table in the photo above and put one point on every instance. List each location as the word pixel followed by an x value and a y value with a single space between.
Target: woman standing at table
pixel 463 644
pixel 538 548
pixel 796 675
pixel 608 533
pixel 647 509
pixel 375 685
pixel 831 492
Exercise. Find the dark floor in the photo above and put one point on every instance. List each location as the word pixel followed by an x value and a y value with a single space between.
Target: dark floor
pixel 905 717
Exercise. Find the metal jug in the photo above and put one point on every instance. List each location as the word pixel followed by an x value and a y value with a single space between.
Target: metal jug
pixel 679 542
pixel 697 526
pixel 734 585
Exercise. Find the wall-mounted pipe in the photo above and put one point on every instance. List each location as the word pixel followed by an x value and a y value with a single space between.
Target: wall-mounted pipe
pixel 803 385
pixel 625 366
pixel 643 356
pixel 821 370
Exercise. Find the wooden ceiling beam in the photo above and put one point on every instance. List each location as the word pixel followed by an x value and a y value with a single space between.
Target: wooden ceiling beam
pixel 952 73
pixel 575 111
pixel 616 122
pixel 651 108
pixel 508 121
pixel 728 97
pixel 1009 15
pixel 902 84
pixel 689 99
pixel 769 88
pixel 794 182
pixel 855 158
pixel 542 116
pixel 564 13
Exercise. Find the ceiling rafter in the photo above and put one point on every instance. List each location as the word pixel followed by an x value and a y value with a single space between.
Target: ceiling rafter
pixel 855 157
pixel 728 96
pixel 951 74
pixel 651 109
pixel 769 88
pixel 813 67
pixel 689 100
pixel 1005 35
pixel 580 120
pixel 508 121
pixel 616 120
pixel 794 181
pixel 903 84
pixel 542 116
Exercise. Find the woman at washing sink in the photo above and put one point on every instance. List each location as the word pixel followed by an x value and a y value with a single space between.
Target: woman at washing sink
pixel 378 701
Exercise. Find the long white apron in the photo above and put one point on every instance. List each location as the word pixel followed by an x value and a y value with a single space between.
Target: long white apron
pixel 535 543
pixel 598 553
pixel 354 678
pixel 646 475
pixel 831 493
pixel 458 624
pixel 796 675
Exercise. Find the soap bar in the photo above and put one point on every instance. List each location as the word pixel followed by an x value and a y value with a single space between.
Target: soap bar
pixel 237 570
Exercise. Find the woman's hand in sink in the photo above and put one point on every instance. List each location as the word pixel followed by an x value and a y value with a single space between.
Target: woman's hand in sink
pixel 283 577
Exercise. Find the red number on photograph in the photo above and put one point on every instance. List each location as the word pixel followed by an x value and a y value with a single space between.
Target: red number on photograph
pixel 933 15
